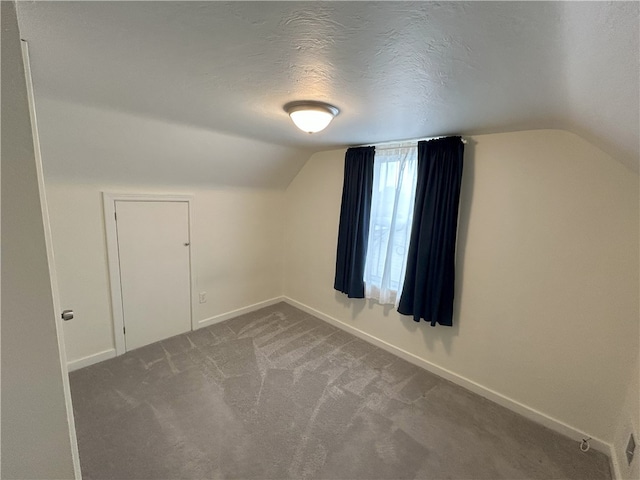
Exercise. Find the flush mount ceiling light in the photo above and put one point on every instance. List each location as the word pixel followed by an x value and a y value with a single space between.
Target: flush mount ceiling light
pixel 310 116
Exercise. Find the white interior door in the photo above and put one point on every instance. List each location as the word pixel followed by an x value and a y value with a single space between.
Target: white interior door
pixel 75 457
pixel 153 246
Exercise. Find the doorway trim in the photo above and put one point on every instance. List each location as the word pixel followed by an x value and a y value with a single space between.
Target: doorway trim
pixel 109 200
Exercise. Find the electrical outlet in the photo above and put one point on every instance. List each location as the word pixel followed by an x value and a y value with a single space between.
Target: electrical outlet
pixel 203 297
pixel 631 448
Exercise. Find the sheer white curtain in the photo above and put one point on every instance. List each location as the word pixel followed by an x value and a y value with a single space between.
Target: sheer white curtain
pixel 392 201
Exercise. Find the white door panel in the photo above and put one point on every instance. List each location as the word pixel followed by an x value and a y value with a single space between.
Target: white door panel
pixel 153 247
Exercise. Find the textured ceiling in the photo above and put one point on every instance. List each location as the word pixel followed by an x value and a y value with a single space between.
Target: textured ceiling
pixel 396 70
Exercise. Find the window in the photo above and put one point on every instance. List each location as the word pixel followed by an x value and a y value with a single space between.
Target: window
pixel 392 202
pixel 378 255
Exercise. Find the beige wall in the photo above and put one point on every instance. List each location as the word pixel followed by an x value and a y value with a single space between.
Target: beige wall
pixel 238 221
pixel 236 254
pixel 36 439
pixel 547 274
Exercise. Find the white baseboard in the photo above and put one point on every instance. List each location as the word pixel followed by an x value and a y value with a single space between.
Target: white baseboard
pixel 91 359
pixel 616 472
pixel 617 465
pixel 240 311
pixel 111 353
pixel 511 404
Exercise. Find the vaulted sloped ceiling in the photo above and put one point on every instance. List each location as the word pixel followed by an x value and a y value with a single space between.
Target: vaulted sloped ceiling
pixel 396 70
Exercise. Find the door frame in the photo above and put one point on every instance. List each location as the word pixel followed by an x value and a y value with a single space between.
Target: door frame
pixel 109 200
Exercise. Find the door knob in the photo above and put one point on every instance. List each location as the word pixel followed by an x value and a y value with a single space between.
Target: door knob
pixel 187 244
pixel 67 315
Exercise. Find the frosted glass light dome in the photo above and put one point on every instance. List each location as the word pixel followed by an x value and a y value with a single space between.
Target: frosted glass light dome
pixel 311 117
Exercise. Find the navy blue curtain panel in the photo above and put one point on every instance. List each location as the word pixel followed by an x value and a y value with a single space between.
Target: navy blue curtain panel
pixel 353 230
pixel 430 276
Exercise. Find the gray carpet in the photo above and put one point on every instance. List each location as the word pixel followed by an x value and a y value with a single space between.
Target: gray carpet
pixel 280 394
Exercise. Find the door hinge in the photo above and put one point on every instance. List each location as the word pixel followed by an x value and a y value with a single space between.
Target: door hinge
pixel 115 216
pixel 124 330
